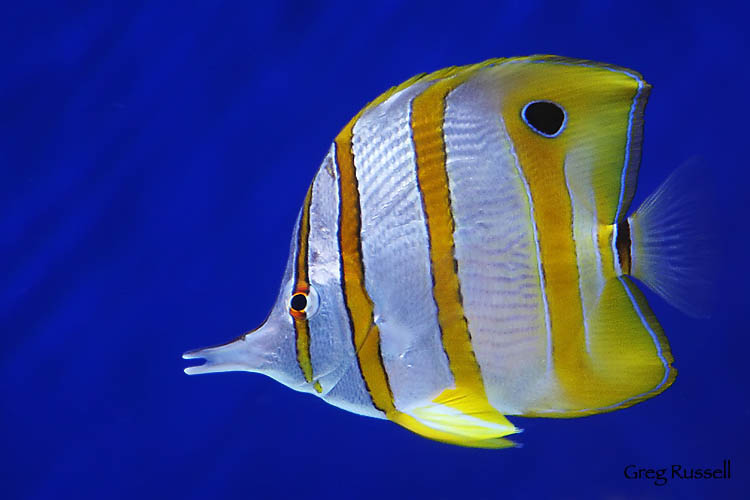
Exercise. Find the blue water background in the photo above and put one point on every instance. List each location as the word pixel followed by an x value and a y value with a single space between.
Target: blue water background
pixel 153 158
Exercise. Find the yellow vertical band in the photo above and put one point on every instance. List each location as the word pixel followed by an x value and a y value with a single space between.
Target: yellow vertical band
pixel 428 115
pixel 302 284
pixel 543 163
pixel 366 335
pixel 468 396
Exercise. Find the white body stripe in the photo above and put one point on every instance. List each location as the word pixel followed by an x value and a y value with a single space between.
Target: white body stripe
pixel 331 349
pixel 615 253
pixel 497 253
pixel 588 257
pixel 396 254
pixel 595 244
pixel 580 234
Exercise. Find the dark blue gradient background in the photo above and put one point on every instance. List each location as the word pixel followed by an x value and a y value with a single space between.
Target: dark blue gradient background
pixel 153 157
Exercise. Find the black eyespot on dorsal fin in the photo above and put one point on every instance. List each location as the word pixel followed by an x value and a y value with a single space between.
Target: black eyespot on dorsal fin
pixel 546 118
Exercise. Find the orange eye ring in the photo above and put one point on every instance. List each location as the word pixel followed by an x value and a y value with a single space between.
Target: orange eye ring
pixel 298 305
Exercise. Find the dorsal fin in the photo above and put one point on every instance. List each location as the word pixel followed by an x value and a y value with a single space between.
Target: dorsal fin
pixel 599 143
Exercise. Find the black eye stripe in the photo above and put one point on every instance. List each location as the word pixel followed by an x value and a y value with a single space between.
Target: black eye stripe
pixel 298 302
pixel 544 117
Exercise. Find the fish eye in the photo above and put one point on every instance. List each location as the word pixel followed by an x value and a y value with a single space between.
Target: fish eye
pixel 546 118
pixel 298 302
pixel 303 303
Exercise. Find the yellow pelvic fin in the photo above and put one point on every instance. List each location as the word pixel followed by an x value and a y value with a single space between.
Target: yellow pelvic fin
pixel 458 418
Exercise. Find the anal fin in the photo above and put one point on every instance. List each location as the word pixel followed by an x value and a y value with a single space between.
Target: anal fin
pixel 628 358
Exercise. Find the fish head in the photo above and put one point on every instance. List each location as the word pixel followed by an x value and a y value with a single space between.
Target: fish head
pixel 305 337
pixel 268 349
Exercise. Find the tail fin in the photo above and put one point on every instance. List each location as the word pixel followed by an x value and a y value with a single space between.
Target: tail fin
pixel 673 243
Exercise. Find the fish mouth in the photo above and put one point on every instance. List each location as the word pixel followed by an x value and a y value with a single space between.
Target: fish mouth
pixel 254 351
pixel 220 358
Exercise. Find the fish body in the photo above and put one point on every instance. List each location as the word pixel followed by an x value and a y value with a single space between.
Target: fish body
pixel 464 253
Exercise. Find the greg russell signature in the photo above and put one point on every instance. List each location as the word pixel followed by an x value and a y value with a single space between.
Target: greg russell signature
pixel 678 471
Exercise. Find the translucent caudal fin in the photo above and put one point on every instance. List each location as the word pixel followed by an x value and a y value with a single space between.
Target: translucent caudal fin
pixel 673 240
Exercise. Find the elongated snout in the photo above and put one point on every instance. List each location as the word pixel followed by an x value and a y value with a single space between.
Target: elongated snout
pixel 252 352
